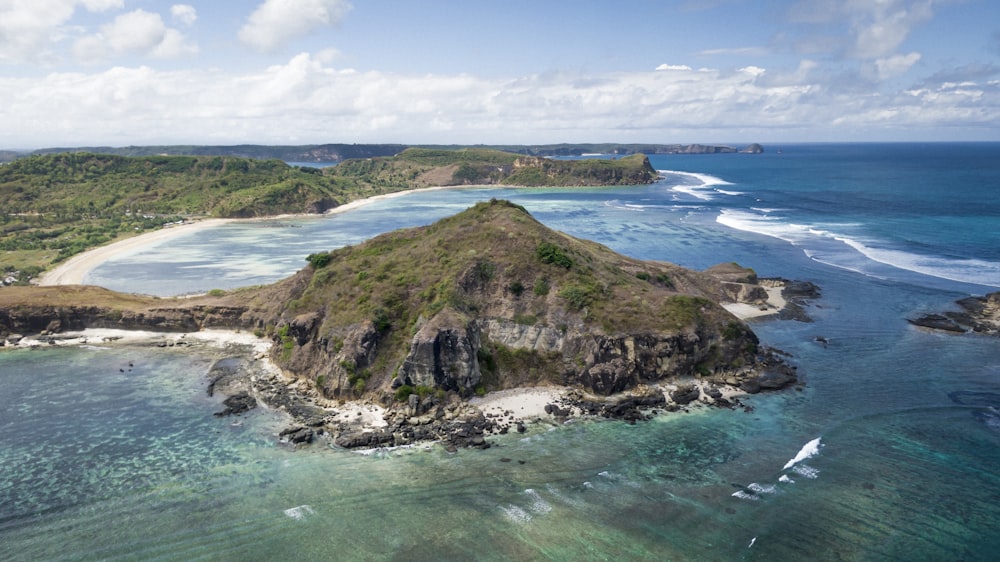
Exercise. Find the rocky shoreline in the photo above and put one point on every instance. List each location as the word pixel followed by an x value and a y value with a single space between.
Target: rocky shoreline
pixel 454 422
pixel 980 315
pixel 247 378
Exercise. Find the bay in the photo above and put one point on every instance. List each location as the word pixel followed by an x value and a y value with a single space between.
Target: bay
pixel 100 464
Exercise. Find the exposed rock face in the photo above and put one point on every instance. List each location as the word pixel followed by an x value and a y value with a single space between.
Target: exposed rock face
pixel 443 354
pixel 518 336
pixel 51 319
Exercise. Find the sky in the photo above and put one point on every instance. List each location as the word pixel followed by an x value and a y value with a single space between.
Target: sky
pixel 141 72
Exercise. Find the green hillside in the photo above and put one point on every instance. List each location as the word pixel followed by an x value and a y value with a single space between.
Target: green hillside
pixel 57 205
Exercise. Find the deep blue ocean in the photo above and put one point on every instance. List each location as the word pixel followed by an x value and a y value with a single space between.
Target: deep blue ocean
pixel 889 452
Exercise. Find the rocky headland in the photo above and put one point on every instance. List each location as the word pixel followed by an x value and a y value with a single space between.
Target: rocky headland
pixel 394 341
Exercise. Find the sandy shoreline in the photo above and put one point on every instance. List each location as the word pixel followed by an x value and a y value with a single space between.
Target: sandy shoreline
pixel 745 311
pixel 74 270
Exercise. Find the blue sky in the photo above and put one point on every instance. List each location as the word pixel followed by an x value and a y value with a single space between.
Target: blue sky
pixel 120 72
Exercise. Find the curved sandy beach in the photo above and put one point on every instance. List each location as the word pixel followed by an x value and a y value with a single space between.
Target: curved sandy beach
pixel 75 269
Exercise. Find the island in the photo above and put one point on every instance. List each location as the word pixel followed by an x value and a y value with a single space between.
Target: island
pixel 413 327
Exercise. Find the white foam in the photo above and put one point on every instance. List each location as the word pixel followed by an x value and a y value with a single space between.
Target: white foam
pixel 761 488
pixel 743 495
pixel 763 221
pixel 980 272
pixel 809 450
pixel 299 512
pixel 538 505
pixel 704 189
pixel 784 478
pixel 515 513
pixel 806 471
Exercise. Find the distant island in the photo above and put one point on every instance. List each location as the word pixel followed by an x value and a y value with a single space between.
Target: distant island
pixel 419 323
pixel 335 153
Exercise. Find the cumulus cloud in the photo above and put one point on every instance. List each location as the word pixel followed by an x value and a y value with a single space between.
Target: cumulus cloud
pixel 184 13
pixel 27 29
pixel 139 32
pixel 305 100
pixel 277 22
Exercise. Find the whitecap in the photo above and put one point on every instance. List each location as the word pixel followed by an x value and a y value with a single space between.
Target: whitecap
pixel 538 505
pixel 806 471
pixel 515 513
pixel 809 450
pixel 762 488
pixel 784 478
pixel 299 512
pixel 980 272
pixel 702 186
pixel 744 495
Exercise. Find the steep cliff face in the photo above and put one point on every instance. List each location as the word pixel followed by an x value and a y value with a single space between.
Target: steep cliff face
pixel 491 299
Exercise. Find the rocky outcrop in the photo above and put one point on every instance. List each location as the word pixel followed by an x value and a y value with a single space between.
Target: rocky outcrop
pixel 443 354
pixel 52 319
pixel 979 315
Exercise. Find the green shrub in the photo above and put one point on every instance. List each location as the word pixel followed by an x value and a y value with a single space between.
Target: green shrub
pixel 541 287
pixel 516 288
pixel 550 253
pixel 319 260
pixel 403 393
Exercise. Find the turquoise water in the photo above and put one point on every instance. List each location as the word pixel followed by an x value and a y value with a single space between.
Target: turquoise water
pixel 100 464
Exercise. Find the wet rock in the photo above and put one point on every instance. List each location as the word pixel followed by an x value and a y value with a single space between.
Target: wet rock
pixel 685 394
pixel 297 435
pixel 237 404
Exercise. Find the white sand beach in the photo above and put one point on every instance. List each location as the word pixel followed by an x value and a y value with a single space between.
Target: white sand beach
pixel 74 270
pixel 745 311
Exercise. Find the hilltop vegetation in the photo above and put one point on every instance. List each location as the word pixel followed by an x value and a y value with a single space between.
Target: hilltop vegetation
pixel 490 299
pixel 421 167
pixel 341 152
pixel 57 205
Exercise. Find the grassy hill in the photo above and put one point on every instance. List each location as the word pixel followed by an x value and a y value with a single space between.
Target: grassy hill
pixel 490 298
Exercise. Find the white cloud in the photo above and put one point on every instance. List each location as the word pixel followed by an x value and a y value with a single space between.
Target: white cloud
pixel 138 32
pixel 307 101
pixel 184 13
pixel 673 67
pixel 277 22
pixel 895 65
pixel 135 31
pixel 29 28
pixel 864 29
